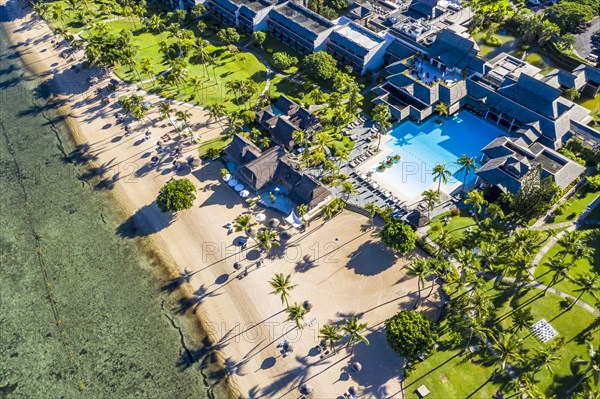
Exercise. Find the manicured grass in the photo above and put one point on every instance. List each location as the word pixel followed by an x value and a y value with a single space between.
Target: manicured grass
pixel 70 18
pixel 243 66
pixel 220 142
pixel 574 326
pixel 580 266
pixel 578 203
pixel 457 228
pixel 450 374
pixel 283 86
pixel 276 46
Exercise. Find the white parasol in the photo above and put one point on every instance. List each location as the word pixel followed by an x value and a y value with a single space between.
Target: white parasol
pixel 261 217
pixel 226 177
pixel 244 193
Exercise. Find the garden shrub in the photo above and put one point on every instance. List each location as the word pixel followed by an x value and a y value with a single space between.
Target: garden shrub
pixel 269 50
pixel 455 212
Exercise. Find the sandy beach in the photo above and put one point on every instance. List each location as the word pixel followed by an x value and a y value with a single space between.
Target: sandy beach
pixel 339 266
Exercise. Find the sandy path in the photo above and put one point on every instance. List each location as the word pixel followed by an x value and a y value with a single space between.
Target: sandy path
pixel 340 266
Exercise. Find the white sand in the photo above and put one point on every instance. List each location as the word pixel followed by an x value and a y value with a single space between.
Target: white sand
pixel 353 274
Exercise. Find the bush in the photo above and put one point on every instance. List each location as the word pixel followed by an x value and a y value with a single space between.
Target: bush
pixel 283 60
pixel 176 196
pixel 594 182
pixel 410 334
pixel 399 236
pixel 455 212
pixel 269 50
pixel 491 40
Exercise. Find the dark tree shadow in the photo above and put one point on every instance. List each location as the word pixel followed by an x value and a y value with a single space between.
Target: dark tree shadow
pixel 371 258
pixel 138 225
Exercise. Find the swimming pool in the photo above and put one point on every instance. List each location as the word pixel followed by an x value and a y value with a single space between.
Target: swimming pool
pixel 280 200
pixel 421 146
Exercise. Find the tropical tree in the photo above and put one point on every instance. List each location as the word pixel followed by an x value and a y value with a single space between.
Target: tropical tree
pixel 410 334
pixel 521 319
pixel 441 175
pixel 432 197
pixel 399 236
pixel 282 286
pixel 317 96
pixel 559 269
pixel 215 112
pixel 176 196
pixel 494 212
pixel 348 189
pixel 302 209
pixel 266 239
pixel 165 110
pixel 330 334
pixel 381 115
pixel 441 109
pixel 419 268
pixel 243 223
pixel 259 38
pixel 506 350
pixel 544 358
pixel 467 164
pixel 588 283
pixel 296 314
pixel 593 365
pixel 475 198
pixel 355 331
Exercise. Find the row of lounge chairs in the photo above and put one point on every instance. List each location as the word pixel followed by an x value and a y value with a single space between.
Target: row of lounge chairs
pixel 361 158
pixel 387 197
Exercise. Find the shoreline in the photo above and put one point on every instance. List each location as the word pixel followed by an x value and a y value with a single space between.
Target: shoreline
pixel 151 247
pixel 243 322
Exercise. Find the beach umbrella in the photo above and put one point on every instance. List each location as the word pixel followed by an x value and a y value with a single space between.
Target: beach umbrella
pixel 305 389
pixel 232 182
pixel 227 177
pixel 356 366
pixel 352 391
pixel 253 231
pixel 289 348
pixel 261 217
pixel 244 193
pixel 274 222
pixel 194 162
pixel 307 306
pixel 237 265
pixel 238 187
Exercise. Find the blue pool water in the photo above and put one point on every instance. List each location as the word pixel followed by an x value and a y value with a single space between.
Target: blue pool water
pixel 421 146
pixel 282 203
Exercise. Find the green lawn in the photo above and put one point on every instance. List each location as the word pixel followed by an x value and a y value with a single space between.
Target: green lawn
pixel 220 142
pixel 457 228
pixel 450 374
pixel 580 266
pixel 272 46
pixel 578 203
pixel 283 86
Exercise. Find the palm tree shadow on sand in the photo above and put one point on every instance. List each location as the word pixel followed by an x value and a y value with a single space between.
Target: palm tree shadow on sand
pixel 362 259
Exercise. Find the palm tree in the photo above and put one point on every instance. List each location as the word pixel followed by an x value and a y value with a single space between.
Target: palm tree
pixel 330 334
pixel 373 209
pixel 467 164
pixel 588 283
pixel 494 212
pixel 196 83
pixel 381 115
pixel 593 365
pixel 296 314
pixel 433 198
pixel 183 116
pixel 521 318
pixel 354 329
pixel 441 175
pixel 544 358
pixel 298 136
pixel 559 269
pixel 282 286
pixel 348 189
pixel 418 267
pixel 570 241
pixel 441 109
pixel 57 13
pixel 506 350
pixel 165 110
pixel 266 239
pixel 243 223
pixel 317 96
pixel 302 209
pixel 215 112
pixel 475 198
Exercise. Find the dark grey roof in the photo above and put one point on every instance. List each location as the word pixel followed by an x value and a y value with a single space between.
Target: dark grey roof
pixel 535 95
pixel 360 11
pixel 426 7
pixel 590 74
pixel 559 78
pixel 241 150
pixel 399 51
pixel 453 49
pixel 309 22
pixel 261 171
pixel 283 118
